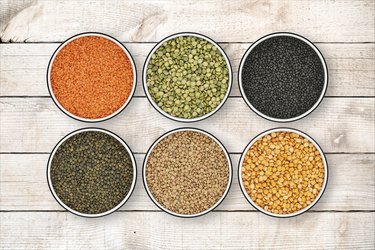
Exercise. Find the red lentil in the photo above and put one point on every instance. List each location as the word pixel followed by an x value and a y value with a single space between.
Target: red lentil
pixel 91 77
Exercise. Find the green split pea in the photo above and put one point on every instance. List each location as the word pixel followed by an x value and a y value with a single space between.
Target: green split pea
pixel 187 77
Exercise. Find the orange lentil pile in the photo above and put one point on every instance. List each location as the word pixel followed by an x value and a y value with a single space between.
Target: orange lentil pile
pixel 91 77
pixel 283 172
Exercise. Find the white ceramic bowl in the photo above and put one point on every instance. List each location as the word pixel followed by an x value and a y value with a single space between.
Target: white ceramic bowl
pixel 145 166
pixel 155 104
pixel 55 100
pixel 50 181
pixel 283 130
pixel 324 65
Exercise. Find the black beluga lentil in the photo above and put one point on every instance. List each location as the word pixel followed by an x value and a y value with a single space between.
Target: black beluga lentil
pixel 91 172
pixel 283 77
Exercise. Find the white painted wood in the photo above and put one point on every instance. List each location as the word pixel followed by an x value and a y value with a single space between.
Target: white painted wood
pixel 10 8
pixel 36 124
pixel 225 21
pixel 157 230
pixel 351 67
pixel 345 33
pixel 23 185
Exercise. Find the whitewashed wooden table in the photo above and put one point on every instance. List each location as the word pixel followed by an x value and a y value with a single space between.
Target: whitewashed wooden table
pixel 30 124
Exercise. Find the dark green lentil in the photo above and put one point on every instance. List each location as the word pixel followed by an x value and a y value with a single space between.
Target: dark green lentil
pixel 283 77
pixel 91 172
pixel 187 77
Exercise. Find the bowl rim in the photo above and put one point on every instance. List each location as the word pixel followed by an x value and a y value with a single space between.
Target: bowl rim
pixel 144 77
pixel 306 136
pixel 317 51
pixel 156 142
pixel 52 59
pixel 113 135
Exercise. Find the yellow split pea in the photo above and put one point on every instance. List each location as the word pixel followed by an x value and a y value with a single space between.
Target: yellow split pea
pixel 283 172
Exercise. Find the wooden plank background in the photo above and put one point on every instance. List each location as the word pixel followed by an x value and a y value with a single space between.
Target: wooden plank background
pixel 30 124
pixel 24 67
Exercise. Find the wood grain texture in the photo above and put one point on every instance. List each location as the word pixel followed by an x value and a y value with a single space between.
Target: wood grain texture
pixel 10 8
pixel 24 66
pixel 225 21
pixel 23 185
pixel 157 230
pixel 36 124
pixel 30 124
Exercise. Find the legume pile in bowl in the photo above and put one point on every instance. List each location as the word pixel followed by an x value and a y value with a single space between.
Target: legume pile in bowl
pixel 283 77
pixel 91 172
pixel 187 77
pixel 91 77
pixel 187 172
pixel 283 172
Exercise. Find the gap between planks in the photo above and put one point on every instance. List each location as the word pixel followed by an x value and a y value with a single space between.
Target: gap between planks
pixel 54 21
pixel 48 96
pixel 155 42
pixel 217 230
pixel 351 68
pixel 213 211
pixel 232 153
pixel 338 124
pixel 25 188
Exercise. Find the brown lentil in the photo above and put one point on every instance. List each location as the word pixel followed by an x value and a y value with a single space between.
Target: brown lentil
pixel 187 172
pixel 91 77
pixel 283 172
pixel 91 172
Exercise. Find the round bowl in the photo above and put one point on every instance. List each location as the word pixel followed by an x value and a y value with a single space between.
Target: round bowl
pixel 49 76
pixel 144 78
pixel 49 181
pixel 290 35
pixel 153 198
pixel 324 185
